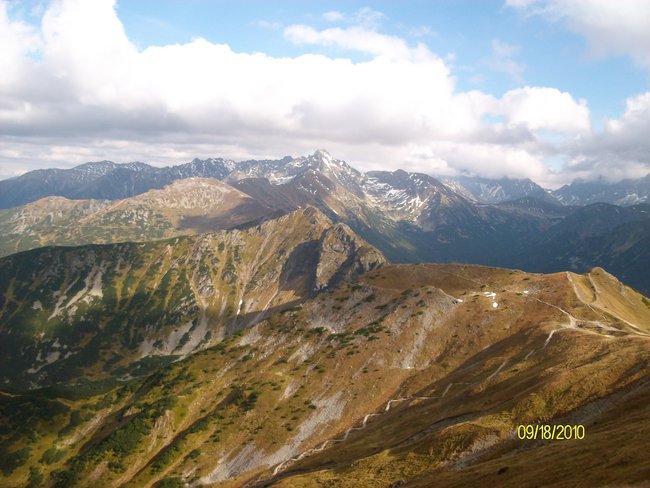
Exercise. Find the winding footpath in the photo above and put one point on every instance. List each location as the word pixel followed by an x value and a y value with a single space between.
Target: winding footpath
pixel 572 324
pixel 323 445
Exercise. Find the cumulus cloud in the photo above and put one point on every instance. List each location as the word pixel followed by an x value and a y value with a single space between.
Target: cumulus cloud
pixel 17 40
pixel 610 27
pixel 619 151
pixel 545 108
pixel 77 89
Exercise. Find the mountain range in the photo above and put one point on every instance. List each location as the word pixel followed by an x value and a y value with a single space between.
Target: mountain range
pixel 625 192
pixel 270 323
pixel 409 217
pixel 113 181
pixel 484 190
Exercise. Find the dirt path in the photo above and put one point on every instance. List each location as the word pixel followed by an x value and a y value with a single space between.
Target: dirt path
pixel 572 324
pixel 635 329
pixel 320 447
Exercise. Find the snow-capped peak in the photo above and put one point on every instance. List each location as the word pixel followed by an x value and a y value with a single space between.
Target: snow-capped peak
pixel 322 155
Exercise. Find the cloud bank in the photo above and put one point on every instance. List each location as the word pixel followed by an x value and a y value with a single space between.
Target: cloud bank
pixel 609 27
pixel 77 89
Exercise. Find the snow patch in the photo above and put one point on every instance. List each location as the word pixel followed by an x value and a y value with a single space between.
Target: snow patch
pixel 51 357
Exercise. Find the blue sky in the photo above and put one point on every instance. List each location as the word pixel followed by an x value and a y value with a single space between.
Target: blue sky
pixel 550 54
pixel 544 89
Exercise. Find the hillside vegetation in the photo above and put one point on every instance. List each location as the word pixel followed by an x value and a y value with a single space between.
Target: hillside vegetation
pixel 409 374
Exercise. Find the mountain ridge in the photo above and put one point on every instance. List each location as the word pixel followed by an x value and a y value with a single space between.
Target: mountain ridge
pixel 623 193
pixel 163 297
pixel 410 217
pixel 184 206
pixel 109 180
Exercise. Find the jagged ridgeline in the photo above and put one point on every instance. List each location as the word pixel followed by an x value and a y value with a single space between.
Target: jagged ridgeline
pixel 121 310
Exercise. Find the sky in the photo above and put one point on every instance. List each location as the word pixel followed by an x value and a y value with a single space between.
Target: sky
pixel 550 90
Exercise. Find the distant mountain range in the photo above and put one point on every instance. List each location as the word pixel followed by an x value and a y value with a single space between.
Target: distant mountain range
pixel 104 180
pixel 111 181
pixel 410 217
pixel 502 190
pixel 184 206
pixel 625 192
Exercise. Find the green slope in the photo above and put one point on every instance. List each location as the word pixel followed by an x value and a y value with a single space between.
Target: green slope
pixel 122 309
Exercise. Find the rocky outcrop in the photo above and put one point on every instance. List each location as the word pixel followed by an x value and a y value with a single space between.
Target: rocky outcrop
pixel 101 310
pixel 343 256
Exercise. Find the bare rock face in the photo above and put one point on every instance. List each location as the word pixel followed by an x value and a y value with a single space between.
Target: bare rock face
pixel 343 255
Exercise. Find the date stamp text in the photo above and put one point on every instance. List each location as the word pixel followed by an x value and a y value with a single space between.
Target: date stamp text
pixel 551 432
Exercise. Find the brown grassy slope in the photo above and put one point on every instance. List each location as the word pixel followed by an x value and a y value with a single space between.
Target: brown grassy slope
pixel 460 427
pixel 186 206
pixel 410 373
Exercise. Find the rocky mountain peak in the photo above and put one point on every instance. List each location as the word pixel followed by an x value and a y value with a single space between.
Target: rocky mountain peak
pixel 322 155
pixel 494 191
pixel 625 192
pixel 97 167
pixel 137 166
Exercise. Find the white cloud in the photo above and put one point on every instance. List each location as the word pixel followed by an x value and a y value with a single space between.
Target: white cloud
pixel 368 17
pixel 542 108
pixel 610 27
pixel 87 93
pixel 620 151
pixel 333 16
pixel 502 60
pixel 357 38
pixel 17 40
